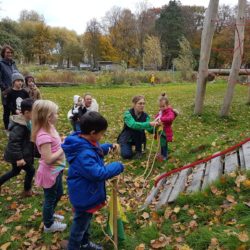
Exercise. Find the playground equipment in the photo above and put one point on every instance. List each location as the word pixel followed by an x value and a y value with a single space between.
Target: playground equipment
pixel 198 175
pixel 206 46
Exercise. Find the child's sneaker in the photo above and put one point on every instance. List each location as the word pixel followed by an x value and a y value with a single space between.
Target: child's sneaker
pixel 56 226
pixel 91 246
pixel 58 217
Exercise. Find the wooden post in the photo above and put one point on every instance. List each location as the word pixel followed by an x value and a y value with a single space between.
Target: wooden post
pixel 115 213
pixel 206 45
pixel 248 97
pixel 237 57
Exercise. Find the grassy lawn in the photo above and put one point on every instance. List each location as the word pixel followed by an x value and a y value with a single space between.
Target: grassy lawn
pixel 219 218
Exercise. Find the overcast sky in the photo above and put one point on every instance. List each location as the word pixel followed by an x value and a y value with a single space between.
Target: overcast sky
pixel 74 14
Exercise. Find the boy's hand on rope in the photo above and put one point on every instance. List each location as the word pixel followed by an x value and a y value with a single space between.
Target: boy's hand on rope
pixel 114 151
pixel 116 148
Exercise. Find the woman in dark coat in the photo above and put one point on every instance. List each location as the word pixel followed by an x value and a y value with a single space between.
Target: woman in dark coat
pixel 7 68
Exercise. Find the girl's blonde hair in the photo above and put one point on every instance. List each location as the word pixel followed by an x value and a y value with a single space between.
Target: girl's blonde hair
pixel 163 98
pixel 41 112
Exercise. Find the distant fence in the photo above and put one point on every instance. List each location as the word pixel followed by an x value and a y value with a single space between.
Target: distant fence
pixel 56 84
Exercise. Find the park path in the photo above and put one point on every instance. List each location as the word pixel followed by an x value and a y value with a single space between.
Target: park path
pixel 197 177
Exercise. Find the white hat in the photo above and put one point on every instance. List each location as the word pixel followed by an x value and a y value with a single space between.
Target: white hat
pixel 76 99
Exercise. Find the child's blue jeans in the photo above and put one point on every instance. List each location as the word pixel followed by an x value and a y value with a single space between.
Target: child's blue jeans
pixel 164 151
pixel 164 145
pixel 79 233
pixel 51 197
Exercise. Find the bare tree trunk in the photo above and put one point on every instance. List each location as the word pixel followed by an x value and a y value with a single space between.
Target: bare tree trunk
pixel 206 44
pixel 237 58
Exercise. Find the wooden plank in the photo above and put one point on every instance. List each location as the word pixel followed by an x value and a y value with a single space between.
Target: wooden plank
pixel 206 175
pixel 231 163
pixel 167 191
pixel 215 170
pixel 246 153
pixel 179 184
pixel 153 193
pixel 242 160
pixel 198 174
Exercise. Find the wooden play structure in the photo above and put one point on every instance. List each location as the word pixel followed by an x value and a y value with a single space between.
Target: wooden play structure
pixel 204 74
pixel 198 175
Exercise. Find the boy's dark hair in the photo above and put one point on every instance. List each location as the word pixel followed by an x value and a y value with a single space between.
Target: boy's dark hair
pixel 26 105
pixel 92 121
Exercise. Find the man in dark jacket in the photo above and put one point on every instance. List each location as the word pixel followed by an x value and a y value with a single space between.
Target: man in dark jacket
pixel 20 150
pixel 7 68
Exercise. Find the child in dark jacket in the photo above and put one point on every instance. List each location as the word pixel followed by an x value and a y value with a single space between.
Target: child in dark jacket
pixel 16 94
pixel 87 175
pixel 166 116
pixel 20 150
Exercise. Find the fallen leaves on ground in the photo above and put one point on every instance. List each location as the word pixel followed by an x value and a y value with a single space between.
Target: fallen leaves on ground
pixel 243 236
pixel 140 247
pixel 246 183
pixel 5 246
pixel 231 198
pixel 161 242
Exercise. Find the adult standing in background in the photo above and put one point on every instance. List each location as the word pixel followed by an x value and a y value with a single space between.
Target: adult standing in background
pixel 7 68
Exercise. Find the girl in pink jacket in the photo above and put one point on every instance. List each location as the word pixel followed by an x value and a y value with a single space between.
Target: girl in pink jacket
pixel 166 116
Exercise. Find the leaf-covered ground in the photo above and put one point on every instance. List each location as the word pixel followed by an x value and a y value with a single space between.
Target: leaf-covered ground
pixel 216 219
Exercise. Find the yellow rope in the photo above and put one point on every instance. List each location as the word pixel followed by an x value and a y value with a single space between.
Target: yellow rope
pixel 158 146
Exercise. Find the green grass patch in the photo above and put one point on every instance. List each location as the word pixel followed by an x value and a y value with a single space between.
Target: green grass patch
pixel 194 137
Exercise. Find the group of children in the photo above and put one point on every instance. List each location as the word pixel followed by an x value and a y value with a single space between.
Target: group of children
pixel 87 171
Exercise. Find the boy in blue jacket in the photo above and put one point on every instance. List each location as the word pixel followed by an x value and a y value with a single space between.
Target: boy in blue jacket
pixel 87 175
